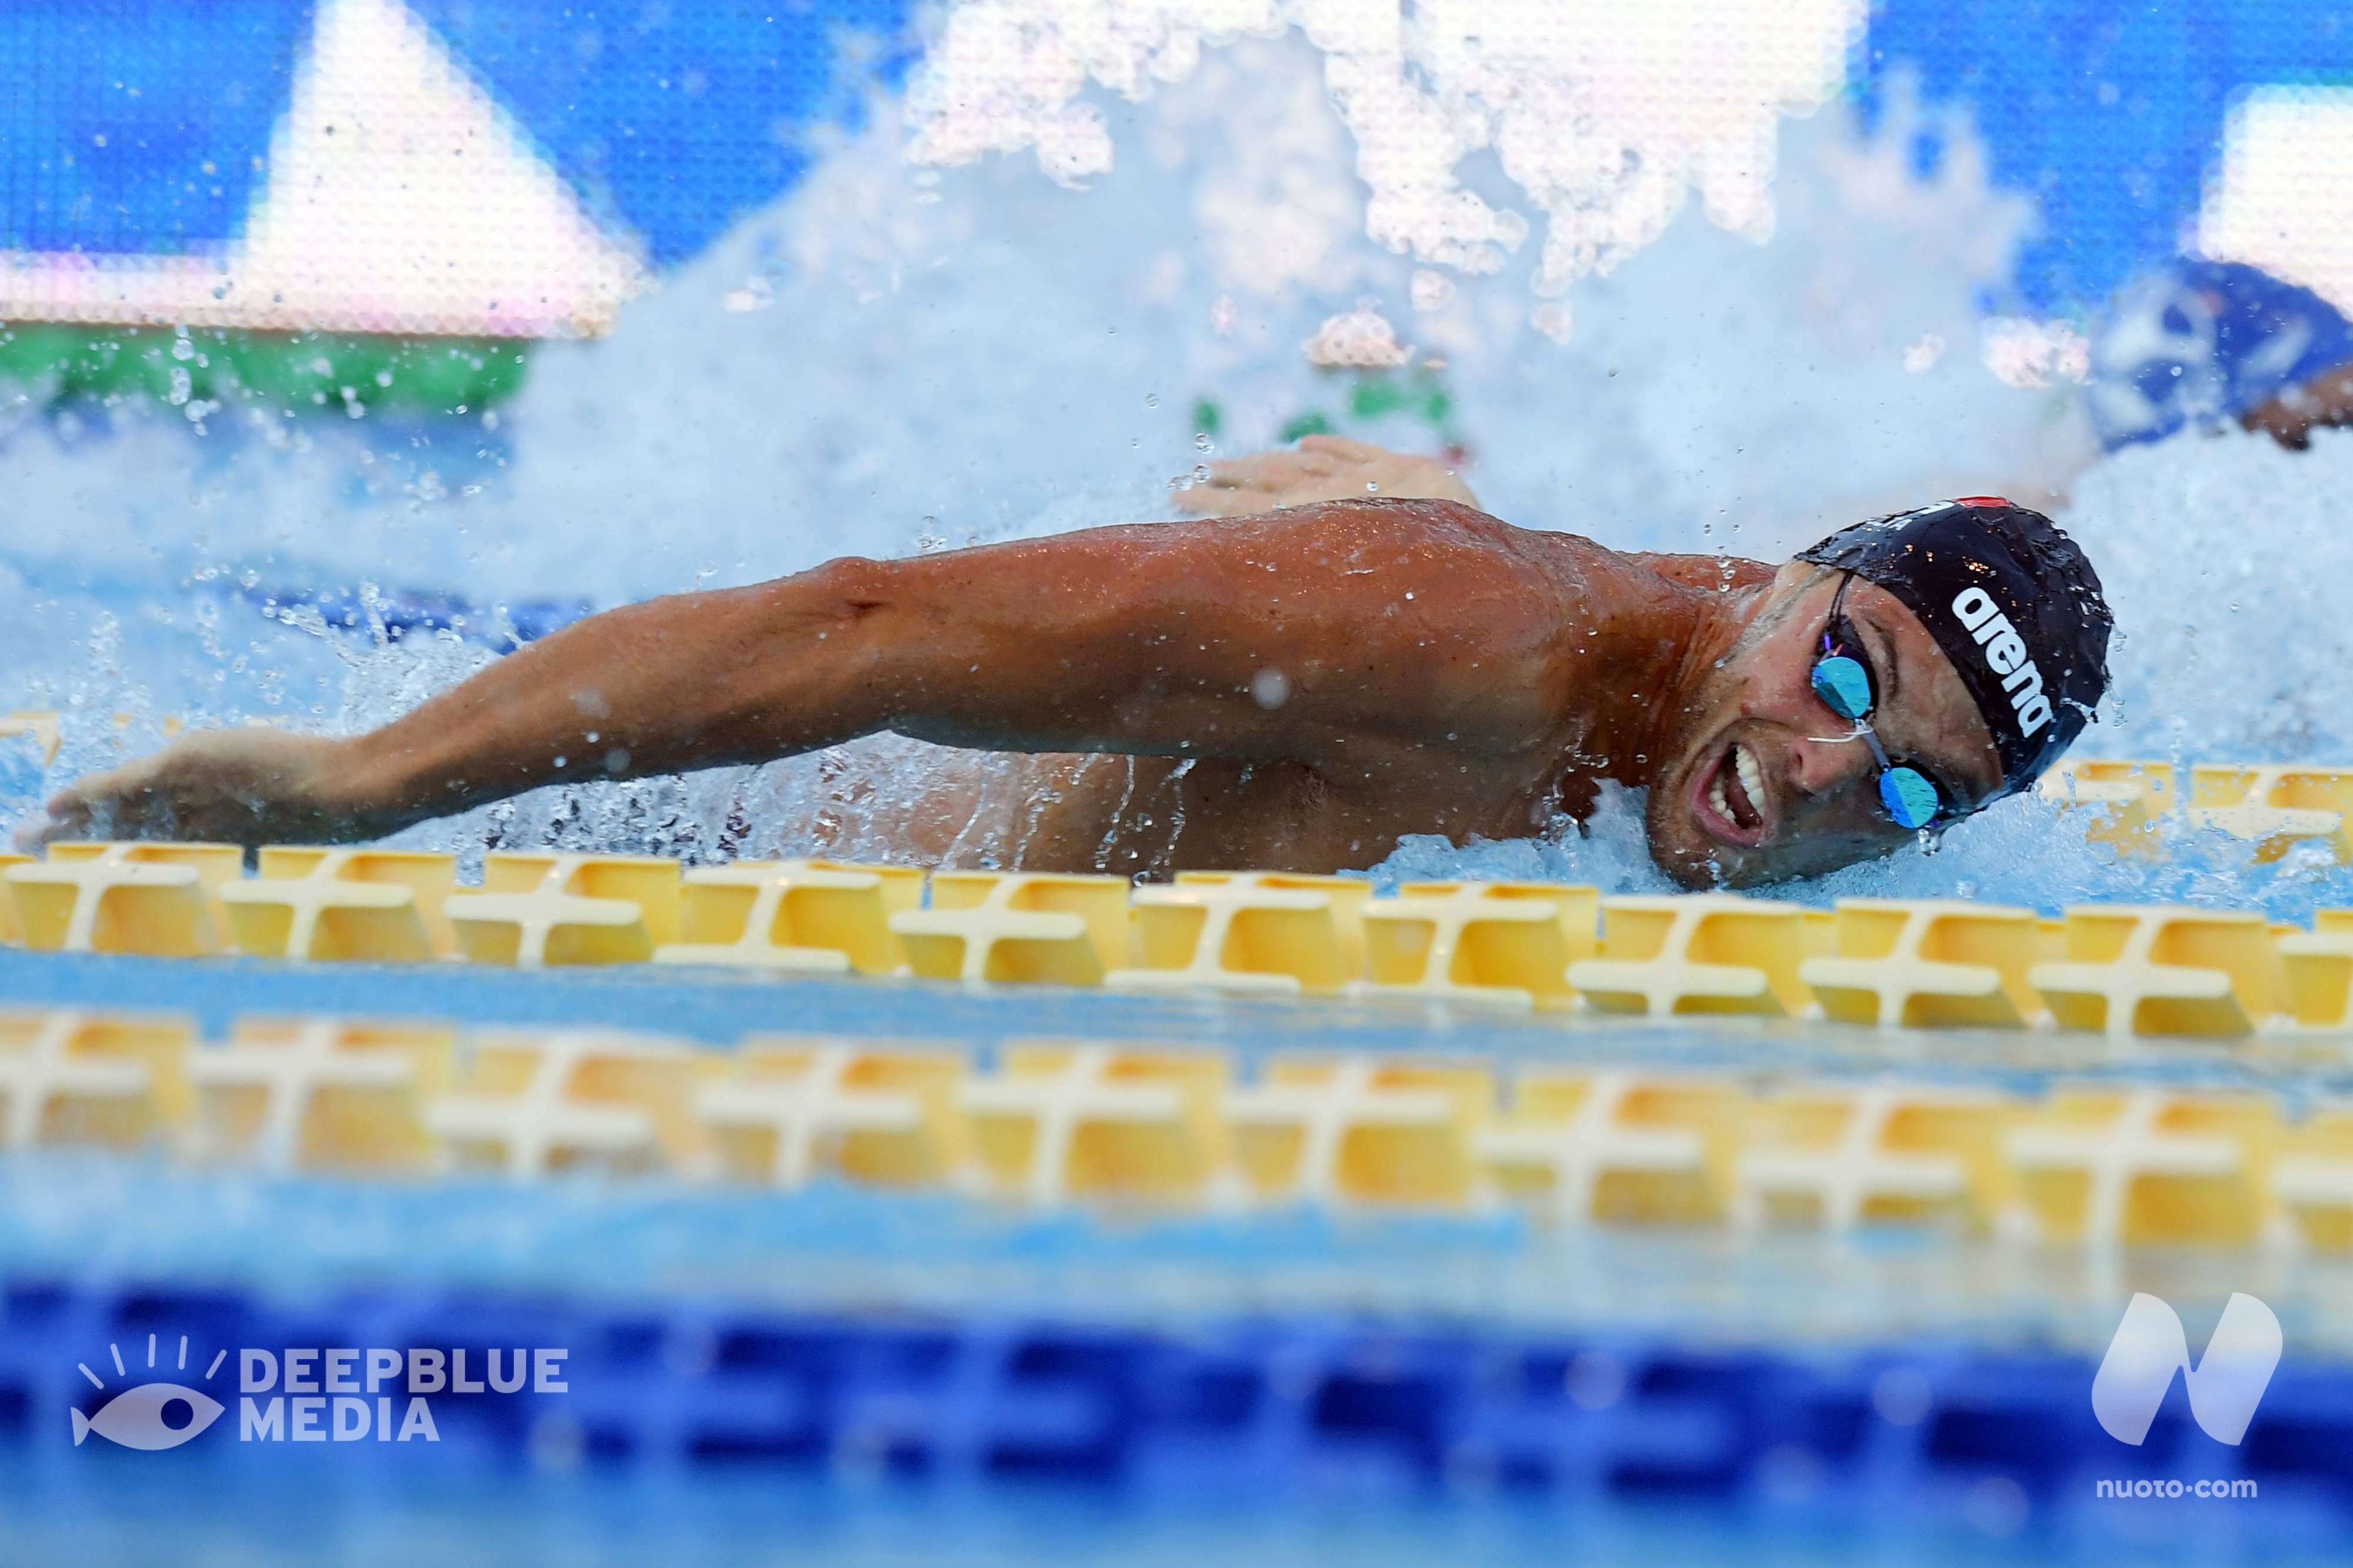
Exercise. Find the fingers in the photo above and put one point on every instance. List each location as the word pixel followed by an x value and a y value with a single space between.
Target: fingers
pixel 1202 501
pixel 1341 447
pixel 1241 473
pixel 122 803
pixel 1270 470
pixel 65 818
pixel 1318 457
pixel 1321 468
pixel 1238 485
pixel 246 786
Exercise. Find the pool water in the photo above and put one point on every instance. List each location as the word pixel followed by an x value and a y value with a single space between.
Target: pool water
pixel 936 356
pixel 754 1518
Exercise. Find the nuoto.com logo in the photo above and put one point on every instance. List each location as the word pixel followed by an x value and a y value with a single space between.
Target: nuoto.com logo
pixel 305 1395
pixel 2224 1385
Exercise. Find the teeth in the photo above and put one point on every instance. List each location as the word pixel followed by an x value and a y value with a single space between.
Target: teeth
pixel 1752 777
pixel 1715 798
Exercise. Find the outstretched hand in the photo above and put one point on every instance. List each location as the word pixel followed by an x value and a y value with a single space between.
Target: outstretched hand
pixel 231 786
pixel 1323 469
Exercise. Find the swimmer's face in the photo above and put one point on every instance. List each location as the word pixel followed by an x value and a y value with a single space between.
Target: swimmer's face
pixel 1763 784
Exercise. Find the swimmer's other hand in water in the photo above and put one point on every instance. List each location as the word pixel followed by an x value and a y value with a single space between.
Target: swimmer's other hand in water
pixel 1323 469
pixel 229 787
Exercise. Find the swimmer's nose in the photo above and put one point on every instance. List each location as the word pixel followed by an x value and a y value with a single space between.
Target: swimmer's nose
pixel 1820 763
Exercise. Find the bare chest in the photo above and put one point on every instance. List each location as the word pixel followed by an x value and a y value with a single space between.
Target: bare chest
pixel 1153 816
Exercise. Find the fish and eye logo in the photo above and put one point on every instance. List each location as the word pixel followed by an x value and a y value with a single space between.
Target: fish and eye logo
pixel 152 1416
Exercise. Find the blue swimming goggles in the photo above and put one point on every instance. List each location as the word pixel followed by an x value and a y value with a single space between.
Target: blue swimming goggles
pixel 1842 679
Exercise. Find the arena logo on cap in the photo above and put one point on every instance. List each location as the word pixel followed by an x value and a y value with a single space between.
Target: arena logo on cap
pixel 2005 650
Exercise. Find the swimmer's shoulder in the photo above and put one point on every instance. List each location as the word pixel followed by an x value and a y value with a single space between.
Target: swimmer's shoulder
pixel 1458 540
pixel 1588 559
pixel 1558 548
pixel 1455 525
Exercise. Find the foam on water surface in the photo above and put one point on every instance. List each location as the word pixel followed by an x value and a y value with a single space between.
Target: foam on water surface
pixel 898 357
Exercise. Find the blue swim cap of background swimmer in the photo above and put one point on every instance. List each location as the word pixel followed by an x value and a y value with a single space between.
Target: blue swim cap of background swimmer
pixel 2012 603
pixel 2201 343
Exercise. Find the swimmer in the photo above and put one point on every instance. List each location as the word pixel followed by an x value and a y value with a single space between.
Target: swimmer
pixel 2200 344
pixel 1353 651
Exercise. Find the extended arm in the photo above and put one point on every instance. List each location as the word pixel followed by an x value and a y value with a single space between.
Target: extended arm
pixel 1354 631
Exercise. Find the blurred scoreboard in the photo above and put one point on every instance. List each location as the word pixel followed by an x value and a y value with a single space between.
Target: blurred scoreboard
pixel 520 168
pixel 513 168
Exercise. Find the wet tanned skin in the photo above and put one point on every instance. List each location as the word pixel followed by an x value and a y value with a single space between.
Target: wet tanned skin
pixel 1296 689
pixel 2326 400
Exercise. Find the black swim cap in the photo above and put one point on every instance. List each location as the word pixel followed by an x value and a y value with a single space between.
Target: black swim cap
pixel 2013 604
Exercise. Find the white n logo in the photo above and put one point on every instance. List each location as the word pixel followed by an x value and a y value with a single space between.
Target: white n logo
pixel 2224 1387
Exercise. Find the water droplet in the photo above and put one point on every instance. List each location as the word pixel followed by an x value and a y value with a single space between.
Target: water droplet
pixel 1152 400
pixel 1201 441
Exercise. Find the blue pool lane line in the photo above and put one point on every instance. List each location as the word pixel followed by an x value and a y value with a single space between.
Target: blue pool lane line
pixel 404 612
pixel 1271 1406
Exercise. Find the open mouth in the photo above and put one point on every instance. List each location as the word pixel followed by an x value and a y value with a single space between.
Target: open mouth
pixel 1731 797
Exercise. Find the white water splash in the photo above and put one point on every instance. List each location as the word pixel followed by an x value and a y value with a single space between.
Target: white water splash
pixel 1565 94
pixel 975 353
